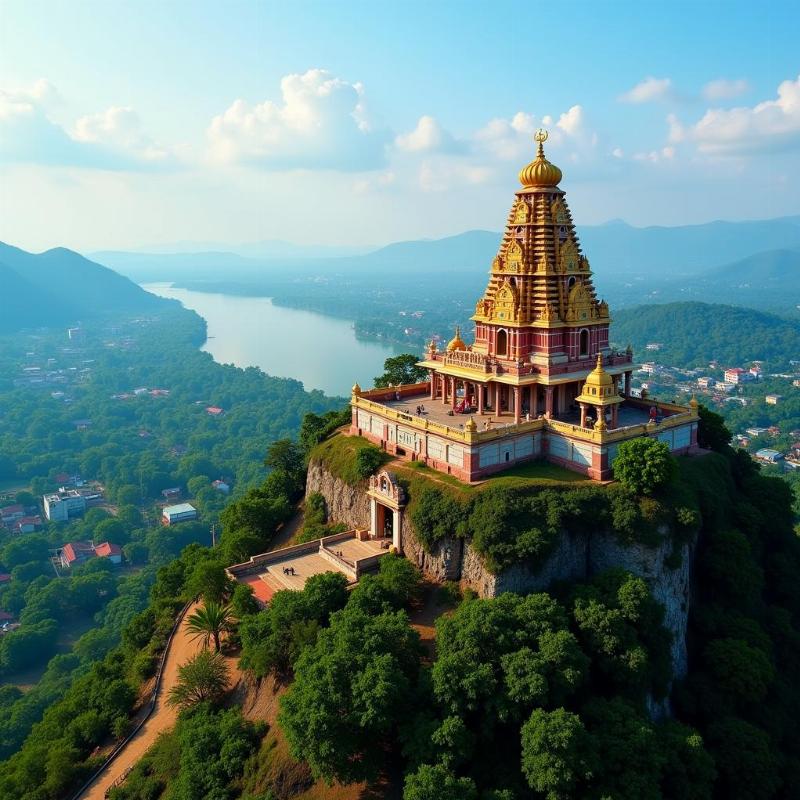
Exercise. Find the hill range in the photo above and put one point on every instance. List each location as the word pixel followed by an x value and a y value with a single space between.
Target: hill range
pixel 59 287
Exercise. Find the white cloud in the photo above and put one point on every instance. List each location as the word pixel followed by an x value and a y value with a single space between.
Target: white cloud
pixel 649 90
pixel 427 137
pixel 724 89
pixel 112 140
pixel 656 156
pixel 444 174
pixel 321 122
pixel 571 122
pixel 772 124
pixel 119 128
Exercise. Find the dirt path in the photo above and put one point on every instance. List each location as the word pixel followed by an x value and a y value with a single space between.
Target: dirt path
pixel 162 719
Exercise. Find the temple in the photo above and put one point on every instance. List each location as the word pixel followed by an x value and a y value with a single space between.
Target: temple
pixel 539 379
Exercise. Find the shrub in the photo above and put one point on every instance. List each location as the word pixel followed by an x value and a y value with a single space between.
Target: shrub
pixel 642 465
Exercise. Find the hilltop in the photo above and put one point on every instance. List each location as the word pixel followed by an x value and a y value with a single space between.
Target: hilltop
pixel 60 286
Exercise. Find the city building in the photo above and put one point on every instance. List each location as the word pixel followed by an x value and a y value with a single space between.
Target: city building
pixel 540 379
pixel 63 505
pixel 768 455
pixel 706 383
pixel 221 486
pixel 772 399
pixel 172 493
pixel 215 411
pixel 757 431
pixel 76 553
pixel 113 552
pixel 182 512
pixel 737 375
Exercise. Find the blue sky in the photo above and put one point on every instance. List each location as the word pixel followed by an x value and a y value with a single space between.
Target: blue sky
pixel 125 124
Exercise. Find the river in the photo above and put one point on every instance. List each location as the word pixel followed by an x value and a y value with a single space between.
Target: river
pixel 318 350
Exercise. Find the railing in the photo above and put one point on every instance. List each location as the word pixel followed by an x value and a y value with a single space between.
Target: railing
pixel 153 699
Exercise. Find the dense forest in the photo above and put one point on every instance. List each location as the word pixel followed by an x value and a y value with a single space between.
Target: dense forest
pixel 551 695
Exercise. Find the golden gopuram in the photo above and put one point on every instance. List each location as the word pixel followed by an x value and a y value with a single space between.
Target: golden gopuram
pixel 540 379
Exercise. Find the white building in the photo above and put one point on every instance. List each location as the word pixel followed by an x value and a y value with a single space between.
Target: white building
pixel 63 505
pixel 179 513
pixel 706 383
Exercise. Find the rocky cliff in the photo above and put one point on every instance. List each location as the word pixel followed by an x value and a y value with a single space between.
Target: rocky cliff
pixel 575 557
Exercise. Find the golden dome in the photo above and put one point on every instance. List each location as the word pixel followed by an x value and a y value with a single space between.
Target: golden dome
pixel 456 343
pixel 471 425
pixel 540 172
pixel 599 389
pixel 356 389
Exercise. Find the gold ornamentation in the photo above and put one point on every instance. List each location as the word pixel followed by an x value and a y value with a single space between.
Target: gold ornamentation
pixel 580 307
pixel 514 255
pixel 456 343
pixel 558 213
pixel 521 213
pixel 540 172
pixel 569 260
pixel 506 303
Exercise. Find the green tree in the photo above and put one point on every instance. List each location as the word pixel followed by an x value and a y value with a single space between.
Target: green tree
pixel 209 581
pixel 286 455
pixel 642 465
pixel 210 622
pixel 243 601
pixel 203 677
pixel 711 431
pixel 436 782
pixel 400 370
pixel 351 690
pixel 555 753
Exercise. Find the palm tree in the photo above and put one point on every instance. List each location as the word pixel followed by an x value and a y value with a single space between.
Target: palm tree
pixel 202 677
pixel 209 622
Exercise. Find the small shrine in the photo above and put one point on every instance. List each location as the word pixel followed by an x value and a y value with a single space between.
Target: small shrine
pixel 539 379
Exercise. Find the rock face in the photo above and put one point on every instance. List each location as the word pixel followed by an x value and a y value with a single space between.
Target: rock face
pixel 576 557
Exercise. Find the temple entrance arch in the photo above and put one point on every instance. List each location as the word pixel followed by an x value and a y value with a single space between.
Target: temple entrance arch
pixel 502 343
pixel 387 502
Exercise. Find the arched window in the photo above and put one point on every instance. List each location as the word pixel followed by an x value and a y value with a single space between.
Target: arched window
pixel 571 282
pixel 502 343
pixel 584 344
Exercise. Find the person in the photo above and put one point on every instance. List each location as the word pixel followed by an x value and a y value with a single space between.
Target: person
pixel 653 413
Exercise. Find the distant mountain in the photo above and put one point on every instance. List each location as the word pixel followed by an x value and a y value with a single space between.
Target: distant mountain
pixel 264 250
pixel 616 250
pixel 61 286
pixel 146 267
pixel 694 334
pixel 770 267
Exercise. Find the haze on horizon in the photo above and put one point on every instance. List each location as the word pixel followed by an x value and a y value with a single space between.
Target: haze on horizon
pixel 357 125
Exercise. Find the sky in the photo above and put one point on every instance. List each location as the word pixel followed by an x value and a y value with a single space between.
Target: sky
pixel 133 124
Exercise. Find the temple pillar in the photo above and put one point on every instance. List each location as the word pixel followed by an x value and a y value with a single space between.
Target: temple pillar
pixel 517 404
pixel 433 384
pixel 628 383
pixel 583 414
pixel 396 521
pixel 498 409
pixel 614 416
pixel 373 517
pixel 548 402
pixel 481 390
pixel 453 393
pixel 533 402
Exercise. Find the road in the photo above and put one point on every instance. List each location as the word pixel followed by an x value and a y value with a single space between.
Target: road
pixel 162 718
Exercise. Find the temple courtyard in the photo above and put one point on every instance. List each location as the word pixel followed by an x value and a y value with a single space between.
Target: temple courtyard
pixel 352 553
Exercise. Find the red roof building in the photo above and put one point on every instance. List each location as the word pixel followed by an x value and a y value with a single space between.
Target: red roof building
pixel 215 411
